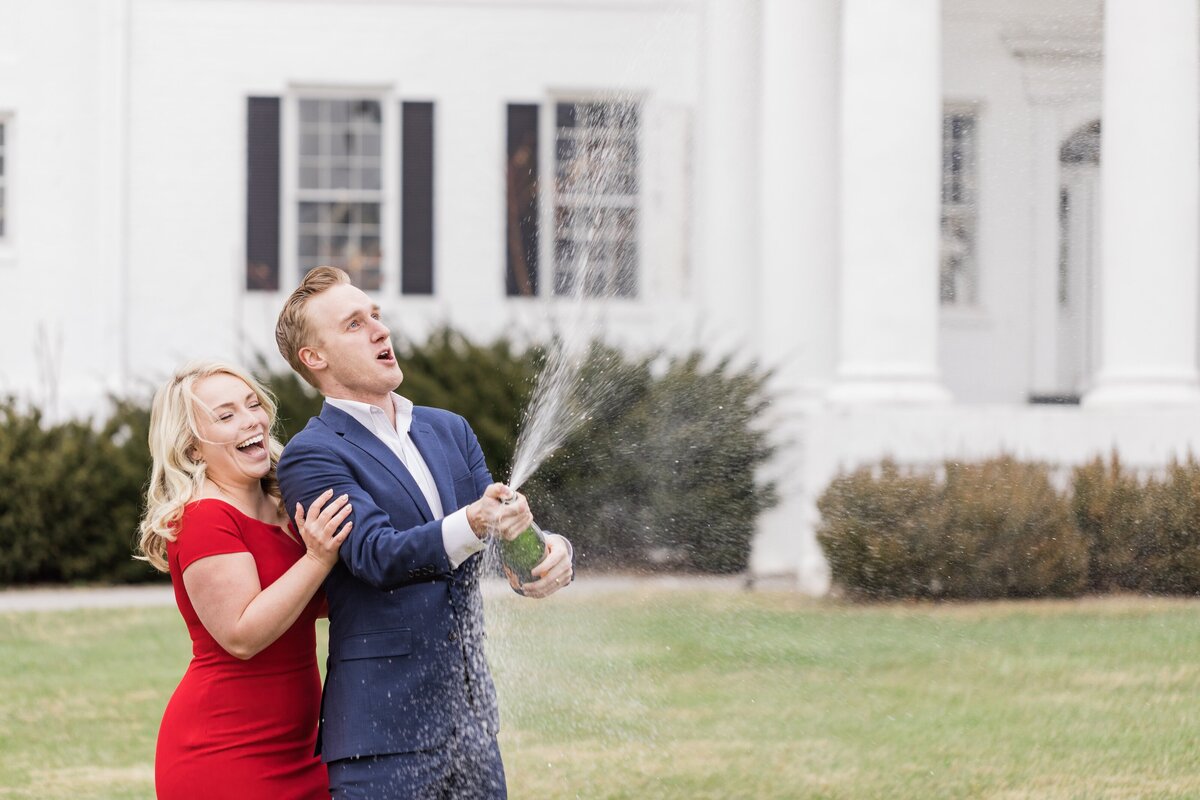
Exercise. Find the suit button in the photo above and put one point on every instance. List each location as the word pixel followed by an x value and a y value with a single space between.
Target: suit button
pixel 453 636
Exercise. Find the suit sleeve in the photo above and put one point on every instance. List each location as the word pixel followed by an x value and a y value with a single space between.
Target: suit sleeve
pixel 476 461
pixel 376 552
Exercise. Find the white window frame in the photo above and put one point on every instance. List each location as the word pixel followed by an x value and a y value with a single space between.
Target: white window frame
pixel 291 195
pixel 549 199
pixel 965 212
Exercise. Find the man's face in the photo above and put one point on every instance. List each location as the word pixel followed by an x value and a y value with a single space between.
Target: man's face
pixel 352 356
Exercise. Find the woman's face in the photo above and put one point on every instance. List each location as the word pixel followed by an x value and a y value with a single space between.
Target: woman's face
pixel 233 429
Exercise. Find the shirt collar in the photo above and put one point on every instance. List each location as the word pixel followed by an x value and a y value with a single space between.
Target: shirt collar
pixel 372 417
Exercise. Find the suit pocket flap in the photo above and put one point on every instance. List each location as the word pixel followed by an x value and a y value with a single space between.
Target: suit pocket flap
pixel 379 644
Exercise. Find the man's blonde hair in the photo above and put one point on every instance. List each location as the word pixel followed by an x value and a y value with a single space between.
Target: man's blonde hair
pixel 293 330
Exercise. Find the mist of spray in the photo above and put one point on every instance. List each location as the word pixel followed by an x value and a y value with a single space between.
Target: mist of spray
pixel 594 264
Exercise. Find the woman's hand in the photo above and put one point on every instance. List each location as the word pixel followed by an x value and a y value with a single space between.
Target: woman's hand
pixel 319 527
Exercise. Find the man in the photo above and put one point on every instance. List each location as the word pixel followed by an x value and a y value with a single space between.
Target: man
pixel 409 709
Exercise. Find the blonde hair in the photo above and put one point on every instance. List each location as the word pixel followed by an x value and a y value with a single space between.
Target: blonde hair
pixel 292 330
pixel 175 476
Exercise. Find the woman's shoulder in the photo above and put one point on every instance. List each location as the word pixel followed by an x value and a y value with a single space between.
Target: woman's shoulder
pixel 210 508
pixel 210 513
pixel 207 526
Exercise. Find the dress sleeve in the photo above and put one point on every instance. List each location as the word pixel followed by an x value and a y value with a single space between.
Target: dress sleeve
pixel 208 528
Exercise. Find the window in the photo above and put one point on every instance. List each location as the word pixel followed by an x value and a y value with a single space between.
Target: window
pixel 596 198
pixel 959 174
pixel 339 184
pixel 3 182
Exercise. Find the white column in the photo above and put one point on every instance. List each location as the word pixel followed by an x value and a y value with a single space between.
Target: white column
pixel 1043 300
pixel 727 204
pixel 1150 191
pixel 799 189
pixel 891 168
pixel 798 282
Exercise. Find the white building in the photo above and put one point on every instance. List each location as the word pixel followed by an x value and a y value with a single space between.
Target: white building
pixel 896 203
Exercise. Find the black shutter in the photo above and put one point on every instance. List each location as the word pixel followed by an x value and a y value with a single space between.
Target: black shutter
pixel 416 198
pixel 262 193
pixel 521 221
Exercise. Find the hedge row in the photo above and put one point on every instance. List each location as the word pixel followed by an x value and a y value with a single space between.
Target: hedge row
pixel 1000 528
pixel 662 475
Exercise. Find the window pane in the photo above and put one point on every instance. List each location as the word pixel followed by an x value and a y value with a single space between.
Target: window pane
pixel 342 143
pixel 368 113
pixel 369 178
pixel 310 111
pixel 597 197
pixel 310 143
pixel 309 178
pixel 958 278
pixel 566 115
pixel 371 143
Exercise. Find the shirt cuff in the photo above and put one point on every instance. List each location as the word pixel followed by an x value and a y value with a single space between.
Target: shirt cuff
pixel 459 540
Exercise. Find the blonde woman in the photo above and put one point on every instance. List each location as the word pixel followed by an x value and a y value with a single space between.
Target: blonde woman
pixel 243 721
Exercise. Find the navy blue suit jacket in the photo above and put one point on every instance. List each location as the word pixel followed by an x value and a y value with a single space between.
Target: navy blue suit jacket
pixel 406 658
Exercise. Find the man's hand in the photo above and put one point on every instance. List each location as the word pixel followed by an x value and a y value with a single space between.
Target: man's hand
pixel 555 570
pixel 491 515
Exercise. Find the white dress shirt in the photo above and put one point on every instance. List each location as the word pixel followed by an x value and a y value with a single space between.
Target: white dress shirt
pixel 457 537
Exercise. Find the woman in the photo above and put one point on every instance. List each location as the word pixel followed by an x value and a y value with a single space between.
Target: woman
pixel 243 721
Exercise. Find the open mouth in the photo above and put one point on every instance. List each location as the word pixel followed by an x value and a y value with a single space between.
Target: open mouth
pixel 255 444
pixel 386 356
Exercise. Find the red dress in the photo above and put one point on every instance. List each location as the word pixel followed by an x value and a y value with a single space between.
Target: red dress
pixel 234 728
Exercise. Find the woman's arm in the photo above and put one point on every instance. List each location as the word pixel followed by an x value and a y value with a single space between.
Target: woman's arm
pixel 243 617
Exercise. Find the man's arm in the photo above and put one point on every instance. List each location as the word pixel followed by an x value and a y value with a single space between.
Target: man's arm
pixel 376 552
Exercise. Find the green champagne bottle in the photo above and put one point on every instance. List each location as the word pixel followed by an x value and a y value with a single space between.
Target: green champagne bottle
pixel 520 555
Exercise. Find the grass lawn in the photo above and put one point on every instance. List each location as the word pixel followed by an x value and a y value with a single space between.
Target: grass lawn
pixel 668 694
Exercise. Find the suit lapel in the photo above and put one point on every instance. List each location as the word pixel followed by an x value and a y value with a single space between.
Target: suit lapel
pixel 435 458
pixel 352 431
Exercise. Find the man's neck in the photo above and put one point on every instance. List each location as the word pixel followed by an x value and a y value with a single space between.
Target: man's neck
pixel 384 403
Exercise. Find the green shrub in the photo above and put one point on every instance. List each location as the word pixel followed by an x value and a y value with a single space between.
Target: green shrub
pixel 1167 548
pixel 1006 532
pixel 878 533
pixel 72 497
pixel 664 472
pixel 1109 505
pixel 993 529
pixel 1144 534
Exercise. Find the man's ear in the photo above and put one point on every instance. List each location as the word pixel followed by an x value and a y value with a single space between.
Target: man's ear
pixel 312 358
